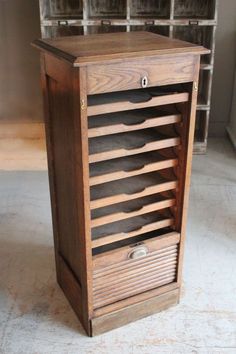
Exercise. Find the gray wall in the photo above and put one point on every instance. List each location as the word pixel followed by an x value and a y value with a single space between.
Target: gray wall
pixel 20 97
pixel 223 79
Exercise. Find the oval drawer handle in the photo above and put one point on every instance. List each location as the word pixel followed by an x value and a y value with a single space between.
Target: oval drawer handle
pixel 138 252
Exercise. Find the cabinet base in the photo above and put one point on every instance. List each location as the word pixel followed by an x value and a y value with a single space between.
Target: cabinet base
pixel 133 312
pixel 118 317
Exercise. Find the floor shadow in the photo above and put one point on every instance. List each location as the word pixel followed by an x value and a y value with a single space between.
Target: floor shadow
pixel 28 282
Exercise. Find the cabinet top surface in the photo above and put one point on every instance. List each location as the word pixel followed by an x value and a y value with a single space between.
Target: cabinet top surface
pixel 88 49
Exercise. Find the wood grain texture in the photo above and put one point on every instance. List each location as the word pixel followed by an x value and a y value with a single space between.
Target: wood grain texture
pixel 128 76
pixel 83 50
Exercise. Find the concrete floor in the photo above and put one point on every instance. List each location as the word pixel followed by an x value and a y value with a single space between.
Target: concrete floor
pixel 36 318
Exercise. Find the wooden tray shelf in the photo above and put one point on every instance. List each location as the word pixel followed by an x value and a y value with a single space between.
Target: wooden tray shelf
pixel 122 211
pixel 130 100
pixel 130 166
pixel 121 230
pixel 132 188
pixel 127 144
pixel 129 121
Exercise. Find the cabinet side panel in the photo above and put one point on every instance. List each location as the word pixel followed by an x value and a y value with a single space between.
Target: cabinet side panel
pixel 61 131
pixel 67 146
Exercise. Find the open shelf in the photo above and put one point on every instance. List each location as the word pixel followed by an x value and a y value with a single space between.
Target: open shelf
pixel 204 91
pixel 61 9
pixel 150 8
pixel 202 9
pixel 201 127
pixel 106 9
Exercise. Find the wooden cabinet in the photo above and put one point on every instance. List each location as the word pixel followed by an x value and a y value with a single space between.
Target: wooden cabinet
pixel 120 114
pixel 194 21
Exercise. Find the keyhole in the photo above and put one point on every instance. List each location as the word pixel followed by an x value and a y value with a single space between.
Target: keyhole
pixel 144 81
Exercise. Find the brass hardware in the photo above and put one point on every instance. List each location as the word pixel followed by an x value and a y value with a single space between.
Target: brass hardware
pixel 144 82
pixel 149 23
pixel 138 252
pixel 62 23
pixel 193 23
pixel 195 86
pixel 106 23
pixel 82 104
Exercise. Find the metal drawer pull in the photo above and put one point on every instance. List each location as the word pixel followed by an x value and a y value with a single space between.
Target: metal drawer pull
pixel 144 82
pixel 138 252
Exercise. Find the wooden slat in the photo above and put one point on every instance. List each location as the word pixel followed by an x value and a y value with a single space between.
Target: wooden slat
pixel 123 215
pixel 144 296
pixel 123 127
pixel 121 277
pixel 150 167
pixel 147 286
pixel 98 203
pixel 107 269
pixel 126 105
pixel 138 280
pixel 162 144
pixel 123 236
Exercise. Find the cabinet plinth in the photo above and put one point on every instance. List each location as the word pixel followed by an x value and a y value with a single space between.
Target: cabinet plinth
pixel 120 118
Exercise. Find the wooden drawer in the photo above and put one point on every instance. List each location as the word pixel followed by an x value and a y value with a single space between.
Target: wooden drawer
pixel 129 75
pixel 133 269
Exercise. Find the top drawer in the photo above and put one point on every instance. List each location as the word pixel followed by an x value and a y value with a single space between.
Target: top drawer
pixel 141 73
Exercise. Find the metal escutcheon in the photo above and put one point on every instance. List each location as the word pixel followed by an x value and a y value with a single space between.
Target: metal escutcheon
pixel 138 252
pixel 144 82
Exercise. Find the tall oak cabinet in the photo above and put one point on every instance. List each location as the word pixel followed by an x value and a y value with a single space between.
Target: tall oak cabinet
pixel 120 117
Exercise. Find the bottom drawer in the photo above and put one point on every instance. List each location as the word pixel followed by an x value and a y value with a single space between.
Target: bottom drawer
pixel 133 269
